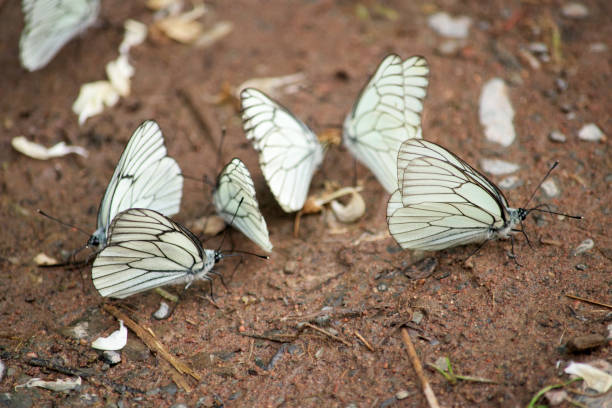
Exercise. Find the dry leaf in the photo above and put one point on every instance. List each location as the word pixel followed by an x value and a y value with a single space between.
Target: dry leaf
pixel 115 341
pixel 92 99
pixel 211 36
pixel 211 225
pixel 183 28
pixel 353 211
pixel 119 73
pixel 273 85
pixel 135 34
pixel 40 152
pixel 57 385
pixel 44 259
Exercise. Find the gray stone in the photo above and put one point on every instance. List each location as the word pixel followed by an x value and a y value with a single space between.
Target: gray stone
pixel 590 132
pixel 496 112
pixel 557 136
pixel 574 10
pixel 448 26
pixel 498 167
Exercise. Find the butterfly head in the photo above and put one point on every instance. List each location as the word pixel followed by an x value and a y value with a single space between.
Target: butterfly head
pixel 97 240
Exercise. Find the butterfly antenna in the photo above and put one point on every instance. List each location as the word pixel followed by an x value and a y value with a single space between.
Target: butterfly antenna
pixel 65 224
pixel 232 221
pixel 548 211
pixel 239 252
pixel 555 164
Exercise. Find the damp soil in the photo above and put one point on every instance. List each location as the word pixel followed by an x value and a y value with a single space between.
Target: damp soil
pixel 491 317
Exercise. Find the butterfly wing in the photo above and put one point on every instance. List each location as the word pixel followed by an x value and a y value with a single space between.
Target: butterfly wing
pixel 144 178
pixel 442 201
pixel 289 152
pixel 147 250
pixel 233 185
pixel 49 24
pixel 387 112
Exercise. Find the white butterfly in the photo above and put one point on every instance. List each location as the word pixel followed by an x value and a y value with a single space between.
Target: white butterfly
pixel 233 185
pixel 443 202
pixel 387 112
pixel 146 250
pixel 145 177
pixel 49 24
pixel 289 152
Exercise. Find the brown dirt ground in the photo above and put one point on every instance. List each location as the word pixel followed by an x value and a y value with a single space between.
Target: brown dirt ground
pixel 494 320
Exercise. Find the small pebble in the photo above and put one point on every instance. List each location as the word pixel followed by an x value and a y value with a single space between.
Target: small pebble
pixel 332 331
pixel 450 48
pixel 586 342
pixel 2 367
pixel 496 112
pixel 162 312
pixel 574 10
pixel 581 267
pixel 382 287
pixel 417 317
pixel 170 388
pixel 550 188
pixel 180 405
pixel 538 48
pixel 388 402
pixel 561 84
pixel 510 182
pixel 322 320
pixel 319 353
pixel 557 136
pixel 403 394
pixel 598 47
pixel 290 267
pixel 609 337
pixel 584 246
pixel 111 357
pixel 234 396
pixel 498 167
pixel 590 132
pixel 448 26
pixel 152 391
pixel 421 269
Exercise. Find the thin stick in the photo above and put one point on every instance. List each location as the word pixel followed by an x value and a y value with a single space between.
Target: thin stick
pixel 150 339
pixel 364 341
pixel 593 302
pixel 201 120
pixel 325 332
pixel 418 368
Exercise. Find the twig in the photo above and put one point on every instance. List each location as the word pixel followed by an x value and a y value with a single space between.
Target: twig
pixel 325 332
pixel 150 339
pixel 75 372
pixel 364 341
pixel 418 368
pixel 592 302
pixel 166 295
pixel 336 314
pixel 199 118
pixel 281 338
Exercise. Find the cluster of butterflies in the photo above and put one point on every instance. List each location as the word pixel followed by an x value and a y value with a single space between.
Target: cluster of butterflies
pixel 437 200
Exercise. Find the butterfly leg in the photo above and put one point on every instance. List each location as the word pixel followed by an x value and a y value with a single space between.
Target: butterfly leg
pixel 476 251
pixel 512 254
